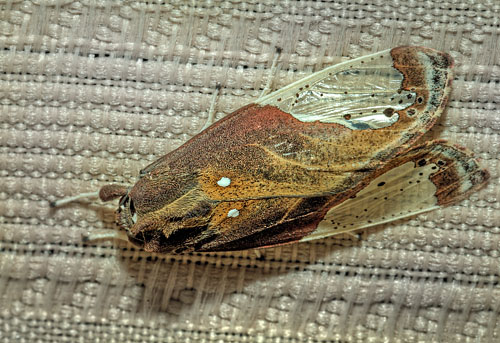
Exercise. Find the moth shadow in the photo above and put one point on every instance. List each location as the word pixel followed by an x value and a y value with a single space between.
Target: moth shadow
pixel 195 286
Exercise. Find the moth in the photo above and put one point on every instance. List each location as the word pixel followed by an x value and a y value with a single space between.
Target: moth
pixel 331 153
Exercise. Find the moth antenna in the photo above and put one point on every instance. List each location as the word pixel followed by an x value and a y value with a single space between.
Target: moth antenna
pixel 211 110
pixel 67 200
pixel 272 72
pixel 119 235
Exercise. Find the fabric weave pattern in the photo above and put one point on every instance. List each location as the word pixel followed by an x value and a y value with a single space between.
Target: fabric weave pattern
pixel 91 92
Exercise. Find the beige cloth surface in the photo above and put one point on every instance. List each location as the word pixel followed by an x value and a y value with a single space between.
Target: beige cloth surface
pixel 92 91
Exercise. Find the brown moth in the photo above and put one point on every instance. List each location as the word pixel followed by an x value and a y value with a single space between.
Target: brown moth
pixel 331 153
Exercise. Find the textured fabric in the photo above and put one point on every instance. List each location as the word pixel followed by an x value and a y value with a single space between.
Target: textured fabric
pixel 92 91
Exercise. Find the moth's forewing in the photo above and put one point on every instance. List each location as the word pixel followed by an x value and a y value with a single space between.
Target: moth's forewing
pixel 322 137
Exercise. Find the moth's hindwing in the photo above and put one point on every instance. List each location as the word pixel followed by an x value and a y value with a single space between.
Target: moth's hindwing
pixel 423 179
pixel 272 172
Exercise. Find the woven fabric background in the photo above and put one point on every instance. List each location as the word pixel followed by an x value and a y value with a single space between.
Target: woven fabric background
pixel 92 91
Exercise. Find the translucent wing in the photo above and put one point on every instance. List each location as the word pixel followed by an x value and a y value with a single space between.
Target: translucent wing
pixel 365 92
pixel 425 178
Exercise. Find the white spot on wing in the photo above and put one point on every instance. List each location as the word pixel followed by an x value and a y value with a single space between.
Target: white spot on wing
pixel 224 181
pixel 233 213
pixel 134 218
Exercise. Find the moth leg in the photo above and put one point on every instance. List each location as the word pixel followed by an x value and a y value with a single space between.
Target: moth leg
pixel 101 234
pixel 211 110
pixel 265 91
pixel 67 200
pixel 272 73
pixel 356 236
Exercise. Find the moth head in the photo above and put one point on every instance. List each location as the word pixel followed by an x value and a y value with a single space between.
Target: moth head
pixel 126 213
pixel 177 226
